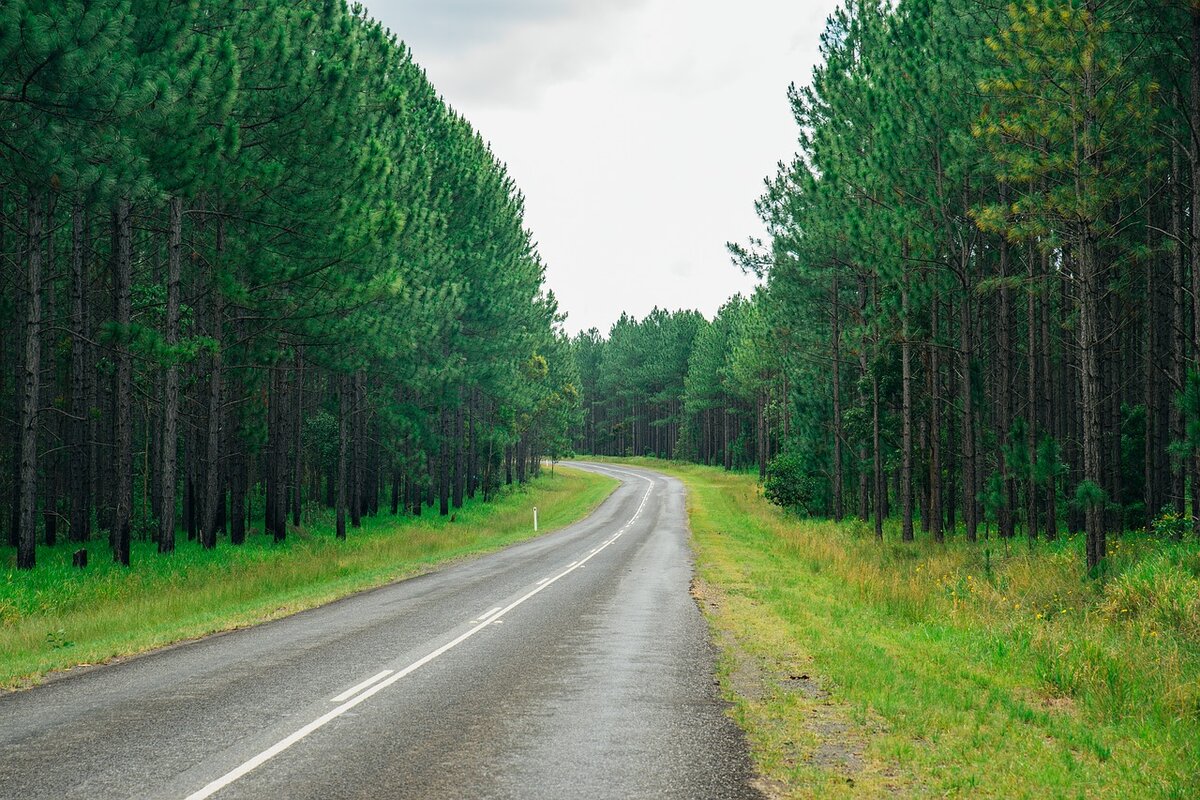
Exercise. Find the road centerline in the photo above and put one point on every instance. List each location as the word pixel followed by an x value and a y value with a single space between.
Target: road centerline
pixel 353 690
pixel 374 687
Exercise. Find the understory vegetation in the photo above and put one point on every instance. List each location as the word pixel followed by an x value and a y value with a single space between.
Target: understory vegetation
pixel 58 616
pixel 986 669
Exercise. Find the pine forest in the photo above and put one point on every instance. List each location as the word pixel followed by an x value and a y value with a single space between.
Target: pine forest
pixel 253 264
pixel 981 301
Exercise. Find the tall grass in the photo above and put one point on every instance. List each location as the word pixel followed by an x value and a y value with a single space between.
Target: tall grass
pixel 58 616
pixel 992 669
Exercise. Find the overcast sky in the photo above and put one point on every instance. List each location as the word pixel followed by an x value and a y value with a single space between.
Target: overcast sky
pixel 640 131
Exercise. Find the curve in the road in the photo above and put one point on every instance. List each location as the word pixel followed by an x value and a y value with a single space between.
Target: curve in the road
pixel 602 686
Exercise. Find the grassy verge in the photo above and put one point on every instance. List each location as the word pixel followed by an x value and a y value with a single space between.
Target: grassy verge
pixel 57 617
pixel 867 669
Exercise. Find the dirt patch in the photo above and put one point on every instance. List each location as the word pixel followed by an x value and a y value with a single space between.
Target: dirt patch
pixel 741 674
pixel 1058 705
pixel 840 747
pixel 805 685
pixel 790 714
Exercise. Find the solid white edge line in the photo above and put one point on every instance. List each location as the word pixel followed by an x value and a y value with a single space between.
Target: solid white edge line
pixel 353 690
pixel 220 783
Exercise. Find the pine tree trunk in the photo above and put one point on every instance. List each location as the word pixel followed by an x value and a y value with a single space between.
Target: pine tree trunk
pixel 1049 416
pixel 935 426
pixel 966 353
pixel 213 495
pixel 863 370
pixel 170 434
pixel 359 451
pixel 835 317
pixel 728 444
pixel 906 419
pixel 877 460
pixel 297 441
pixel 473 449
pixel 344 412
pixel 1004 347
pixel 48 389
pixel 1194 159
pixel 80 512
pixel 395 499
pixel 238 484
pixel 124 387
pixel 761 416
pixel 1031 404
pixel 459 477
pixel 1149 388
pixel 1091 388
pixel 31 394
pixel 279 449
pixel 1178 328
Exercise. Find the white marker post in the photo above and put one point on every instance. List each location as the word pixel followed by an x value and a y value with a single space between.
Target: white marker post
pixel 535 519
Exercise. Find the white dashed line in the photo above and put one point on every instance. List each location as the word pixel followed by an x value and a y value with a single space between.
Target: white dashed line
pixel 381 681
pixel 353 690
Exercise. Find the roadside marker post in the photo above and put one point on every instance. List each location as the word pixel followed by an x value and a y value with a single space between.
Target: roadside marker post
pixel 535 519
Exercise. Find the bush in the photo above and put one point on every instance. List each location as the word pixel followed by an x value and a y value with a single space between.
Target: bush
pixel 1171 525
pixel 789 484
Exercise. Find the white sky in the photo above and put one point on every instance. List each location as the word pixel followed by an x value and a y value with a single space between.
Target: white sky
pixel 639 131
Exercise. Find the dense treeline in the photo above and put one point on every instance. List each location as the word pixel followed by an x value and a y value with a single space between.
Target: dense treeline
pixel 982 286
pixel 675 385
pixel 252 261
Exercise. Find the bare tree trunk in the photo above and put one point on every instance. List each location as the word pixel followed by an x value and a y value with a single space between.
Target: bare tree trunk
pixel 279 449
pixel 906 419
pixel 761 417
pixel 966 352
pixel 298 448
pixel 1004 346
pixel 1049 415
pixel 1031 404
pixel 344 411
pixel 26 535
pixel 1178 329
pixel 1194 159
pixel 473 449
pixel 880 487
pixel 835 322
pixel 360 451
pixel 80 513
pixel 238 480
pixel 1090 379
pixel 459 470
pixel 395 491
pixel 124 388
pixel 48 388
pixel 935 426
pixel 170 433
pixel 214 497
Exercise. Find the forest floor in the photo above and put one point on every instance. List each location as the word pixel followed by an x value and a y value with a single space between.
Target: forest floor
pixel 868 669
pixel 58 617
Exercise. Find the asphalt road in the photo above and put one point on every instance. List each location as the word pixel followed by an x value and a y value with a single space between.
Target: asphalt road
pixel 573 665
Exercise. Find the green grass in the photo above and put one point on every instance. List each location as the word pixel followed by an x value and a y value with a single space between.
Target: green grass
pixel 866 669
pixel 57 617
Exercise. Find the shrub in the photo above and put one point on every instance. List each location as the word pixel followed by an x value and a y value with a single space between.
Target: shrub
pixel 789 484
